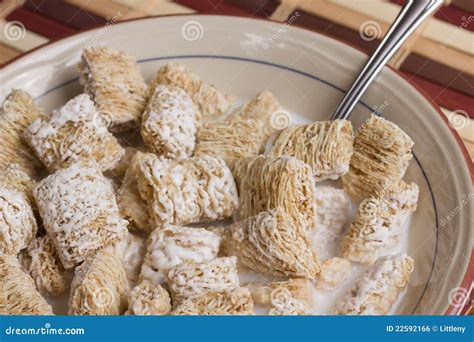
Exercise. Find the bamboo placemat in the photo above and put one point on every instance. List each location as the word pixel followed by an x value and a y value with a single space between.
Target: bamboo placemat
pixel 439 58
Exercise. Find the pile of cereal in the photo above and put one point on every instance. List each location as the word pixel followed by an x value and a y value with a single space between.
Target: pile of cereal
pixel 175 222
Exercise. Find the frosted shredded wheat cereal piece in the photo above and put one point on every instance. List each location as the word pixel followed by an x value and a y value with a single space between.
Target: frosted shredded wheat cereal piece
pixel 79 212
pixel 379 287
pixel 14 177
pixel 190 278
pixel 334 272
pixel 18 295
pixel 44 266
pixel 17 114
pixel 231 140
pixel 132 207
pixel 265 183
pixel 378 224
pixel 263 107
pixel 131 250
pixel 402 198
pixel 149 299
pixel 326 146
pixel 210 101
pixel 172 245
pixel 99 287
pixel 271 243
pixel 234 302
pixel 74 133
pixel 381 155
pixel 17 221
pixel 243 134
pixel 199 189
pixel 170 123
pixel 112 79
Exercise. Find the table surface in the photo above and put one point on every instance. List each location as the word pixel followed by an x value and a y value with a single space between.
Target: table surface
pixel 438 58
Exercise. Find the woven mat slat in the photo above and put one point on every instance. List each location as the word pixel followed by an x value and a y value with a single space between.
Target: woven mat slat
pixel 7 53
pixel 40 24
pixel 159 7
pixel 65 13
pixel 19 39
pixel 108 9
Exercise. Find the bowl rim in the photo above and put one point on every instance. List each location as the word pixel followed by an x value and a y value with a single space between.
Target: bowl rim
pixel 469 163
pixel 469 275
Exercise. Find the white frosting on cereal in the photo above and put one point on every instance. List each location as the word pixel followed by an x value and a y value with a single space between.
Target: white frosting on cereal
pixel 173 245
pixel 170 123
pixel 189 278
pixel 17 222
pixel 78 208
pixel 379 287
pixel 199 189
pixel 75 132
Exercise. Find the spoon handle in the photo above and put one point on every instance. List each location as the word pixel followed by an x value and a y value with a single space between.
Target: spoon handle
pixel 410 17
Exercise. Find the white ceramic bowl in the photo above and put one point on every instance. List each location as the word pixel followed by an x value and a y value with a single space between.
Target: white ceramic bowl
pixel 308 72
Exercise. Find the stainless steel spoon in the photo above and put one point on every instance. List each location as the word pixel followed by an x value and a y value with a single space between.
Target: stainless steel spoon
pixel 410 17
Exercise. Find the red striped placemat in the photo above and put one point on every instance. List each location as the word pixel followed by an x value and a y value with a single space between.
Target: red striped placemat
pixel 439 58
